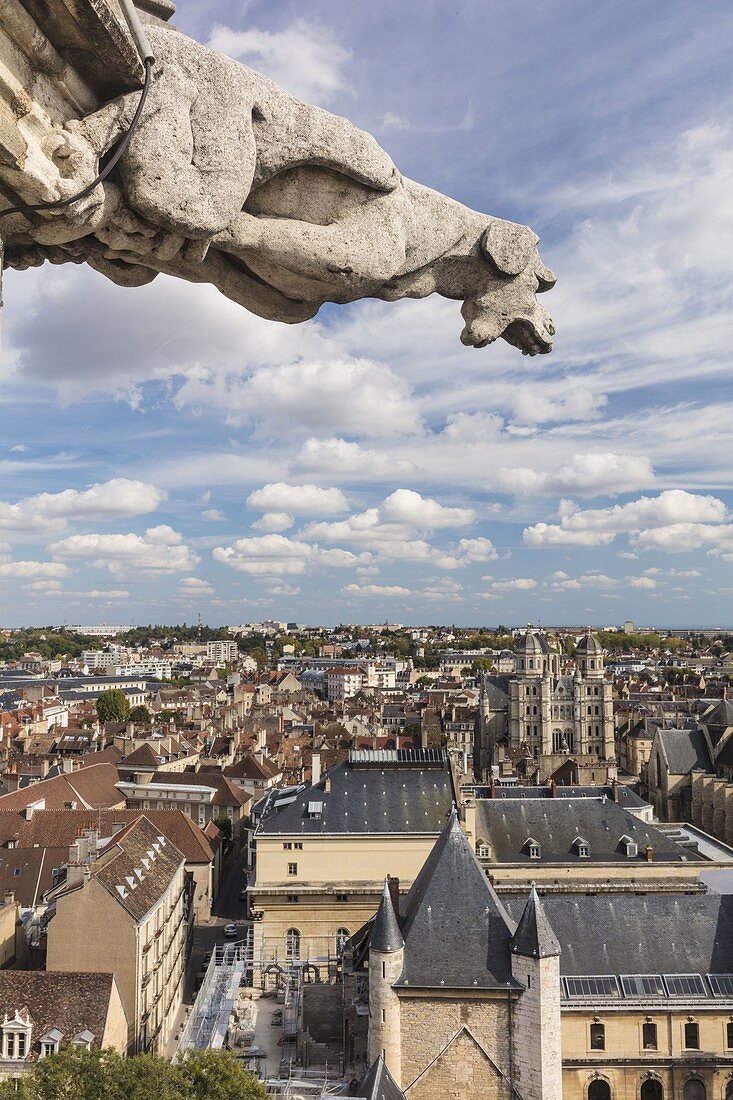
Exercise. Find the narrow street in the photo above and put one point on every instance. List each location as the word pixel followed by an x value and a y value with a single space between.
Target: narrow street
pixel 226 909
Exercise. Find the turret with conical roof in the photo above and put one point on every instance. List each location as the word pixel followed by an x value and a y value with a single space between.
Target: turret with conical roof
pixel 535 954
pixel 534 936
pixel 386 961
pixel 386 936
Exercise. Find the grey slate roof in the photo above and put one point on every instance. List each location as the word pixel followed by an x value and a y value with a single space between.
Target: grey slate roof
pixel 506 825
pixel 379 1084
pixel 383 797
pixel 534 936
pixel 386 935
pixel 456 931
pixel 496 691
pixel 685 750
pixel 640 934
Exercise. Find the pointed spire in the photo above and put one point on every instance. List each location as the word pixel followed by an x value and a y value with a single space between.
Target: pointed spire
pixel 534 936
pixel 386 935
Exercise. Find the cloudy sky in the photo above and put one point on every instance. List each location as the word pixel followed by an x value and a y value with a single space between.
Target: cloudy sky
pixel 164 453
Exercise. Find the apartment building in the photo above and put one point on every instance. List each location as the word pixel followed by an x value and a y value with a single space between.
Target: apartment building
pixel 129 911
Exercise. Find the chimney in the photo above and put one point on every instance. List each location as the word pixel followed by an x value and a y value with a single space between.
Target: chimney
pixel 649 853
pixel 614 790
pixel 393 885
pixel 316 768
pixel 327 784
pixel 553 788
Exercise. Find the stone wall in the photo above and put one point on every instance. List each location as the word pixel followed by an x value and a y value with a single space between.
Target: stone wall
pixel 455 1047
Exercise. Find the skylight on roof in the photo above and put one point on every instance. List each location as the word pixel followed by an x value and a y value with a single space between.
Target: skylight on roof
pixel 721 984
pixel 642 985
pixel 684 985
pixel 592 985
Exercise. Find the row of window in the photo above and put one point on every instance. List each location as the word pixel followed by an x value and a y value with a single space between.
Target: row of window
pixel 652 1089
pixel 649 1036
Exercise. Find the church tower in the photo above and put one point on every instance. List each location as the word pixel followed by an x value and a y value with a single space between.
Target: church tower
pixel 386 958
pixel 536 1037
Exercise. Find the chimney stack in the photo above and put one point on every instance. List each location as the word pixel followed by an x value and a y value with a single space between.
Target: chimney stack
pixel 316 768
pixel 649 854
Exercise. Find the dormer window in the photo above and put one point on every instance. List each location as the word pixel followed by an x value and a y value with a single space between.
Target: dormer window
pixel 582 847
pixel 630 846
pixel 483 851
pixel 83 1039
pixel 533 848
pixel 50 1042
pixel 16 1036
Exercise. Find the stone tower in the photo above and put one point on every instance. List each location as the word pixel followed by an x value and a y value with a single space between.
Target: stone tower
pixel 386 959
pixel 536 1036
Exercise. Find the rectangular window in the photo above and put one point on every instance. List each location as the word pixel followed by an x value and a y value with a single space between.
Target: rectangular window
pixel 292 868
pixel 287 845
pixel 298 845
pixel 729 1034
pixel 20 1044
pixel 293 899
pixel 597 1037
pixel 692 1036
pixel 649 1036
pixel 342 897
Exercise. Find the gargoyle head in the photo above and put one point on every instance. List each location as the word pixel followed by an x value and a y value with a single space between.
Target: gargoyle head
pixel 504 301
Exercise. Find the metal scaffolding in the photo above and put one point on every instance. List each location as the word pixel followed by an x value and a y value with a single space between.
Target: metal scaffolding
pixel 207 1025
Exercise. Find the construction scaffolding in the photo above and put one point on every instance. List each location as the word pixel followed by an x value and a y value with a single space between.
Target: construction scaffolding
pixel 208 1023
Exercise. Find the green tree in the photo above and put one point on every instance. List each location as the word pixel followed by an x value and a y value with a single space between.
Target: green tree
pixel 140 715
pixel 224 825
pixel 79 1074
pixel 215 1075
pixel 113 706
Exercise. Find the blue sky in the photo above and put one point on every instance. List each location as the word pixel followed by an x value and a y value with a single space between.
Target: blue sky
pixel 164 453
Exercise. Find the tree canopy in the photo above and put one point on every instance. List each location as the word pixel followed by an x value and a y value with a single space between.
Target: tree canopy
pixel 113 706
pixel 79 1074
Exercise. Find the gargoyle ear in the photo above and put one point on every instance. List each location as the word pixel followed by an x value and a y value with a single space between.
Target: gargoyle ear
pixel 545 276
pixel 509 246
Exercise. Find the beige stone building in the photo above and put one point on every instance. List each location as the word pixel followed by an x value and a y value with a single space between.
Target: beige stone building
pixel 323 850
pixel 133 905
pixel 460 994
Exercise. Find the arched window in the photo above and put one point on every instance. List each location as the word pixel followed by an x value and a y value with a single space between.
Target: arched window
pixel 292 943
pixel 652 1090
pixel 342 935
pixel 694 1089
pixel 599 1090
pixel 729 1091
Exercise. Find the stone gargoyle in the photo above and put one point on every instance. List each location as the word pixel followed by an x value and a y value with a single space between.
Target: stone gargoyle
pixel 282 206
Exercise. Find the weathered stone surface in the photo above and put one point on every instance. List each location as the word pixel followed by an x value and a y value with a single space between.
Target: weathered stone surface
pixel 282 206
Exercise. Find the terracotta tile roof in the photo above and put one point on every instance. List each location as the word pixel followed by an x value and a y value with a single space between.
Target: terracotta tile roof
pixel 68 1002
pixel 29 872
pixel 60 828
pixel 143 754
pixel 249 767
pixel 89 787
pixel 133 876
pixel 227 793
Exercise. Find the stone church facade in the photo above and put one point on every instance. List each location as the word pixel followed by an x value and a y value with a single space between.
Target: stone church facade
pixel 540 712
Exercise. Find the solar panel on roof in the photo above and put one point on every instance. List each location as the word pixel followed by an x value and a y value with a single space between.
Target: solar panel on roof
pixel 642 985
pixel 592 985
pixel 721 984
pixel 684 985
